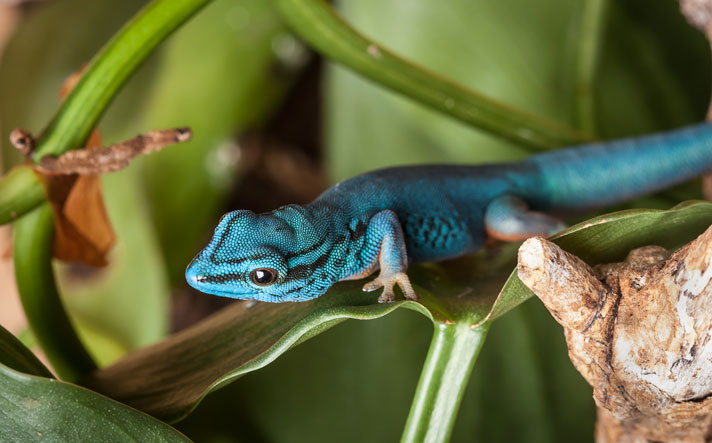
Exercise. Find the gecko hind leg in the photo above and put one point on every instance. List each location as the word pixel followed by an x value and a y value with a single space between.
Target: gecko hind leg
pixel 508 218
pixel 385 245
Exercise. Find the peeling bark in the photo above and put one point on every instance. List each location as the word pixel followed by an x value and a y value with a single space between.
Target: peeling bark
pixel 640 332
pixel 698 13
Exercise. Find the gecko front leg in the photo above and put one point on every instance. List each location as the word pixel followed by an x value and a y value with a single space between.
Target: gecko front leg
pixel 384 246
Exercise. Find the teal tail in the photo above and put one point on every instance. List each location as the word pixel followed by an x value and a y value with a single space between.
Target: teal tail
pixel 601 174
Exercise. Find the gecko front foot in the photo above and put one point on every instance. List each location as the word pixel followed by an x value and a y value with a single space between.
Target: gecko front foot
pixel 387 282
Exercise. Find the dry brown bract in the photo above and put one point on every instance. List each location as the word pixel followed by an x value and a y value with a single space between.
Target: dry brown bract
pixel 94 161
pixel 640 332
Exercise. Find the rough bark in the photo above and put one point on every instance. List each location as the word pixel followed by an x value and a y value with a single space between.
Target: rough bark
pixel 640 332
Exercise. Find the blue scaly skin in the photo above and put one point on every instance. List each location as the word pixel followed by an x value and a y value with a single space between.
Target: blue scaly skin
pixel 392 217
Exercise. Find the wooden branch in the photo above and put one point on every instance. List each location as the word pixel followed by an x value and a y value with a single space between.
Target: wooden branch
pixel 640 332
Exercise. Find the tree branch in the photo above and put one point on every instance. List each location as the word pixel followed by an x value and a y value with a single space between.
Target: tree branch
pixel 640 332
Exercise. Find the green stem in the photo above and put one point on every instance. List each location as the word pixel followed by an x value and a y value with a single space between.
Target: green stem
pixel 316 22
pixel 40 299
pixel 447 368
pixel 20 190
pixel 592 31
pixel 108 72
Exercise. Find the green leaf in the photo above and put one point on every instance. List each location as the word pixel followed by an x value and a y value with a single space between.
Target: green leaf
pixel 109 70
pixel 127 302
pixel 43 52
pixel 608 238
pixel 530 51
pixel 593 22
pixel 169 379
pixel 15 355
pixel 231 60
pixel 42 409
pixel 106 74
pixel 316 22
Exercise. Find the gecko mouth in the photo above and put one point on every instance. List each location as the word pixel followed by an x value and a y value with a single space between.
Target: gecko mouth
pixel 200 280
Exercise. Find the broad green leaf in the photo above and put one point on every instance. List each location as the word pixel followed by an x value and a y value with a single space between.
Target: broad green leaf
pixel 462 40
pixel 608 238
pixel 357 381
pixel 222 73
pixel 169 379
pixel 318 24
pixel 523 53
pixel 15 355
pixel 108 71
pixel 43 52
pixel 43 409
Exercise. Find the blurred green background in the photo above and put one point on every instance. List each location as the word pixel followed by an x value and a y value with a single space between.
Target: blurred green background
pixel 261 105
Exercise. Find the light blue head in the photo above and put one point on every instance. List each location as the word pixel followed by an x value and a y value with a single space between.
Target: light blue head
pixel 251 257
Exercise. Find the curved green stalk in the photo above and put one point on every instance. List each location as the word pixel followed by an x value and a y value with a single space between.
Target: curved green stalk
pixel 447 368
pixel 20 192
pixel 592 31
pixel 32 253
pixel 316 22
pixel 69 129
pixel 109 70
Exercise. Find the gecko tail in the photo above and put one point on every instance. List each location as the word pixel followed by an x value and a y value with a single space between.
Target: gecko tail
pixel 606 173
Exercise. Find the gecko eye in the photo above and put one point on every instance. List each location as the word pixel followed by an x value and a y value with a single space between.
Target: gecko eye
pixel 263 276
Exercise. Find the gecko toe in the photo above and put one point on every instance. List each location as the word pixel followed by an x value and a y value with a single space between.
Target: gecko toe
pixel 387 296
pixel 388 283
pixel 404 283
pixel 372 285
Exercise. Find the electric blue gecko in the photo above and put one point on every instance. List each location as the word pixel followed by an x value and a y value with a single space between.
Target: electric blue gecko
pixel 393 217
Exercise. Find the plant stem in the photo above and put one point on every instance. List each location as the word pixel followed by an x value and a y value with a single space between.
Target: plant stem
pixel 316 22
pixel 32 251
pixel 447 368
pixel 20 192
pixel 69 129
pixel 592 31
pixel 108 72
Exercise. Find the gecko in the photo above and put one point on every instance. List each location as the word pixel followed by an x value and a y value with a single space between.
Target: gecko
pixel 387 219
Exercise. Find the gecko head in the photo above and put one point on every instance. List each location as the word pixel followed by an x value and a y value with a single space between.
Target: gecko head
pixel 248 257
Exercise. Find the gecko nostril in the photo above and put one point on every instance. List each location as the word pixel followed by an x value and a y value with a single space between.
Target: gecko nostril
pixel 194 274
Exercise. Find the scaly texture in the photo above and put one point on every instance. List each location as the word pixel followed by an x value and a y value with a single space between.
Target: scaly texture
pixel 388 218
